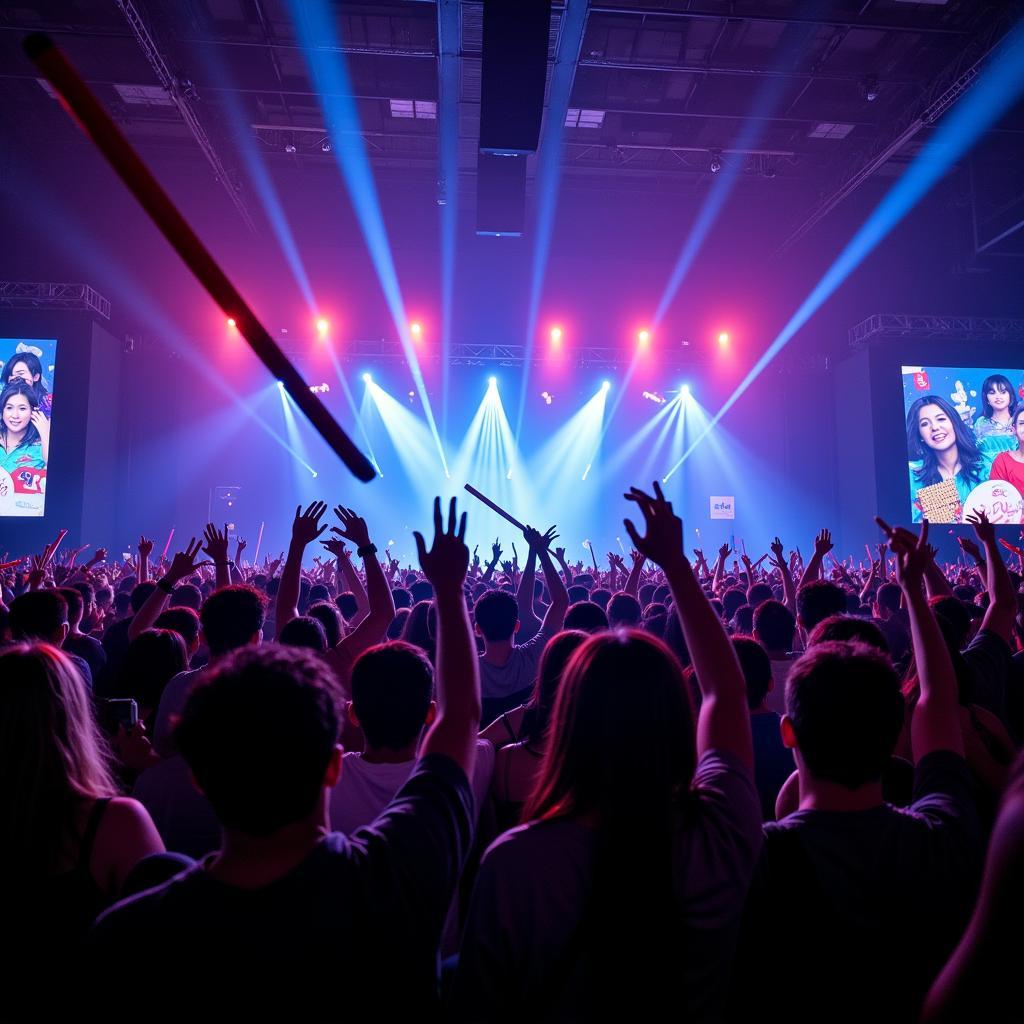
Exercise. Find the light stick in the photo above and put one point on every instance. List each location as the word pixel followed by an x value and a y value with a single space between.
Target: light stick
pixel 259 541
pixel 496 508
pixel 167 546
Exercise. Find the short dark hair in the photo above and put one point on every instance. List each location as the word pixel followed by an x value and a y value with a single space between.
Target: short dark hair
pixel 421 590
pixel 756 667
pixel 36 615
pixel 496 614
pixel 258 731
pixel 347 604
pixel 888 596
pixel 151 661
pixel 304 631
pixel 318 592
pixel 87 592
pixel 392 685
pixel 818 600
pixel 732 599
pixel 846 708
pixel 759 592
pixel 140 594
pixel 402 597
pixel 578 593
pixel 848 628
pixel 74 602
pixel 187 595
pixel 601 596
pixel 624 610
pixel 183 620
pixel 326 612
pixel 587 616
pixel 775 625
pixel 952 610
pixel 231 617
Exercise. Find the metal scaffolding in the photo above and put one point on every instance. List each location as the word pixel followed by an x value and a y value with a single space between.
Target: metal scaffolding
pixel 881 327
pixel 52 295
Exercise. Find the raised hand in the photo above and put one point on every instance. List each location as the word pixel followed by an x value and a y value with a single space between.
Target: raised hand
pixel 663 541
pixel 970 548
pixel 145 547
pixel 724 551
pixel 306 525
pixel 541 541
pixel 912 553
pixel 560 554
pixel 447 561
pixel 240 546
pixel 216 543
pixel 353 527
pixel 495 551
pixel 506 567
pixel 823 543
pixel 184 562
pixel 983 529
pixel 335 547
pixel 476 557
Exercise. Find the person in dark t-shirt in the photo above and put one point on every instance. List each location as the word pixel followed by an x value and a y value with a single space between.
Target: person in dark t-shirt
pixel 856 904
pixel 288 914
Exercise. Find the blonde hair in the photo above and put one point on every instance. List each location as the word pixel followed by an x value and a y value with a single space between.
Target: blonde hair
pixel 52 756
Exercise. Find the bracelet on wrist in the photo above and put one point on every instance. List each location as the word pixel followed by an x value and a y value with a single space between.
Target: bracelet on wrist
pixel 366 549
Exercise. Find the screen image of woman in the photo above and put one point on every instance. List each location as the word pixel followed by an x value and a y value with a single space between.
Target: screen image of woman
pixel 1009 465
pixel 25 366
pixel 946 460
pixel 24 449
pixel 998 405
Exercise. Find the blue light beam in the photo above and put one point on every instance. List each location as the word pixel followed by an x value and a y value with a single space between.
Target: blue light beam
pixel 998 88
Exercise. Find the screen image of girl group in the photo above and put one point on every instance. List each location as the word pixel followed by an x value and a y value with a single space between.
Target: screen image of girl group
pixel 26 407
pixel 965 442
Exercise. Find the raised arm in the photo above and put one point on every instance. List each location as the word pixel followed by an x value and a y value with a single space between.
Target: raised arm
pixel 822 546
pixel 217 549
pixel 381 612
pixel 496 556
pixel 145 550
pixel 632 586
pixel 724 721
pixel 305 529
pixel 348 573
pixel 554 617
pixel 182 566
pixel 566 571
pixel 1002 601
pixel 454 730
pixel 716 576
pixel 528 621
pixel 935 724
pixel 788 587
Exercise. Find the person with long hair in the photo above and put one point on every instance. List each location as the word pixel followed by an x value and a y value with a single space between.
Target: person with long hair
pixel 521 733
pixel 998 405
pixel 69 840
pixel 24 430
pixel 25 366
pixel 942 447
pixel 624 890
pixel 1009 465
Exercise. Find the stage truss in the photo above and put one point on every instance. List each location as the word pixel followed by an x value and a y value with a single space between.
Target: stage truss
pixel 883 327
pixel 52 295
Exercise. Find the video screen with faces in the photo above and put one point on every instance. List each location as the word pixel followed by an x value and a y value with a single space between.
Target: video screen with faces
pixel 26 409
pixel 965 442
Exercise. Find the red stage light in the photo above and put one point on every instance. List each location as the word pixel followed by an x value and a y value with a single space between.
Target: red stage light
pixel 231 321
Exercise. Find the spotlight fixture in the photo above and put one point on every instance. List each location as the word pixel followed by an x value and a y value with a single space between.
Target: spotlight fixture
pixel 290 147
pixel 723 338
pixel 280 384
pixel 869 88
pixel 547 396
pixel 492 381
pixel 684 391
pixel 556 334
pixel 412 394
pixel 643 337
pixel 605 385
pixel 322 326
pixel 653 396
pixel 716 161
pixel 367 378
pixel 320 389
pixel 325 146
pixel 416 328
pixel 231 322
